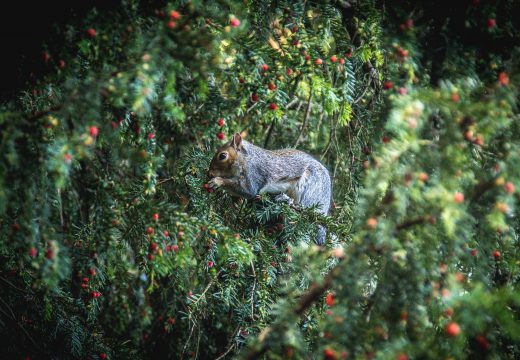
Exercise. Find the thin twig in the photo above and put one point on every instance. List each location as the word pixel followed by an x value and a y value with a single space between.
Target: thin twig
pixel 306 119
pixel 253 292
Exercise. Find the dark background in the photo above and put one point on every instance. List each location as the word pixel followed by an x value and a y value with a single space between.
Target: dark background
pixel 25 27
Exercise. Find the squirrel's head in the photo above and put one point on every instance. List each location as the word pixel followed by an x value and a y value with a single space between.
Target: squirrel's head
pixel 224 162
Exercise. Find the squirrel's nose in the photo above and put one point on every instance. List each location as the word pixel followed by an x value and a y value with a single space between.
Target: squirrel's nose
pixel 211 174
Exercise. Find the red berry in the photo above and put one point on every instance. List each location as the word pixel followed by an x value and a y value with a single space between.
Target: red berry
pixel 46 57
pixel 221 122
pixel 307 57
pixel 264 67
pixel 85 280
pixel 61 64
pixel 458 197
pixel 175 15
pixel 482 342
pixel 401 356
pixel 254 97
pixel 175 247
pixel 341 61
pixel 102 356
pixel 402 53
pixel 318 61
pixel 388 85
pixel 372 223
pixel 168 248
pixel 329 354
pixel 234 22
pixel 496 254
pixel 402 91
pixel 210 264
pixel 491 23
pixel 91 32
pixel 296 42
pixel 503 79
pixel 289 72
pixel 171 24
pixel 151 136
pixel 349 53
pixel 94 294
pixel 473 252
pixel 166 233
pixel 94 131
pixel 221 136
pixel 32 252
pixel 329 299
pixel 241 80
pixel 149 230
pixel 271 86
pixel 92 271
pixel 273 106
pixel 171 320
pixel 509 187
pixel 333 58
pixel 155 216
pixel 153 246
pixel 49 254
pixel 455 97
pixel 151 257
pixel 452 329
pixel 83 286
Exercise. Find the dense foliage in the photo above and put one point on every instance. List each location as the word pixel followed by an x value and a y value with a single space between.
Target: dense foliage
pixel 111 246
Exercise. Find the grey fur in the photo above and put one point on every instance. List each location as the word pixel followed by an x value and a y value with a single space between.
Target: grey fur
pixel 294 173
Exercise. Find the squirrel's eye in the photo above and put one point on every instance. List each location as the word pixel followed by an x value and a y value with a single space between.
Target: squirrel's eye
pixel 222 156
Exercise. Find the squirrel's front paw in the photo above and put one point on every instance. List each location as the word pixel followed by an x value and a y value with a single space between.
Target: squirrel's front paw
pixel 215 183
pixel 284 198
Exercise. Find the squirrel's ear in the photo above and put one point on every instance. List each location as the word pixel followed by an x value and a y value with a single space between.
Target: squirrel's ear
pixel 237 141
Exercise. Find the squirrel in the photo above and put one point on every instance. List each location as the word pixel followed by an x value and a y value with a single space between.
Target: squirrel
pixel 245 170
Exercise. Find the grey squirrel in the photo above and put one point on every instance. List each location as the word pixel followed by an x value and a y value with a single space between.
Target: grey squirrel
pixel 246 170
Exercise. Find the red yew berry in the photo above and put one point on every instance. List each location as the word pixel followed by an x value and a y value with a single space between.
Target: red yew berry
pixel 175 247
pixel 93 131
pixel 46 57
pixel 166 233
pixel 329 299
pixel 149 230
pixel 388 85
pixel 329 354
pixel 333 59
pixel 92 271
pixel 307 57
pixel 254 97
pixel 151 136
pixel 32 252
pixel 210 264
pixel 455 97
pixel 61 64
pixel 452 329
pixel 175 15
pixel 221 136
pixel 491 23
pixel 402 91
pixel 318 61
pixel 91 32
pixel 496 254
pixel 264 67
pixel 503 79
pixel 153 246
pixel 271 86
pixel 473 252
pixel 401 356
pixel 372 223
pixel 155 216
pixel 151 257
pixel 458 197
pixel 83 286
pixel 171 320
pixel 348 54
pixel 221 122
pixel 234 22
pixel 85 280
pixel 341 61
pixel 102 356
pixel 273 106
pixel 509 187
pixel 482 342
